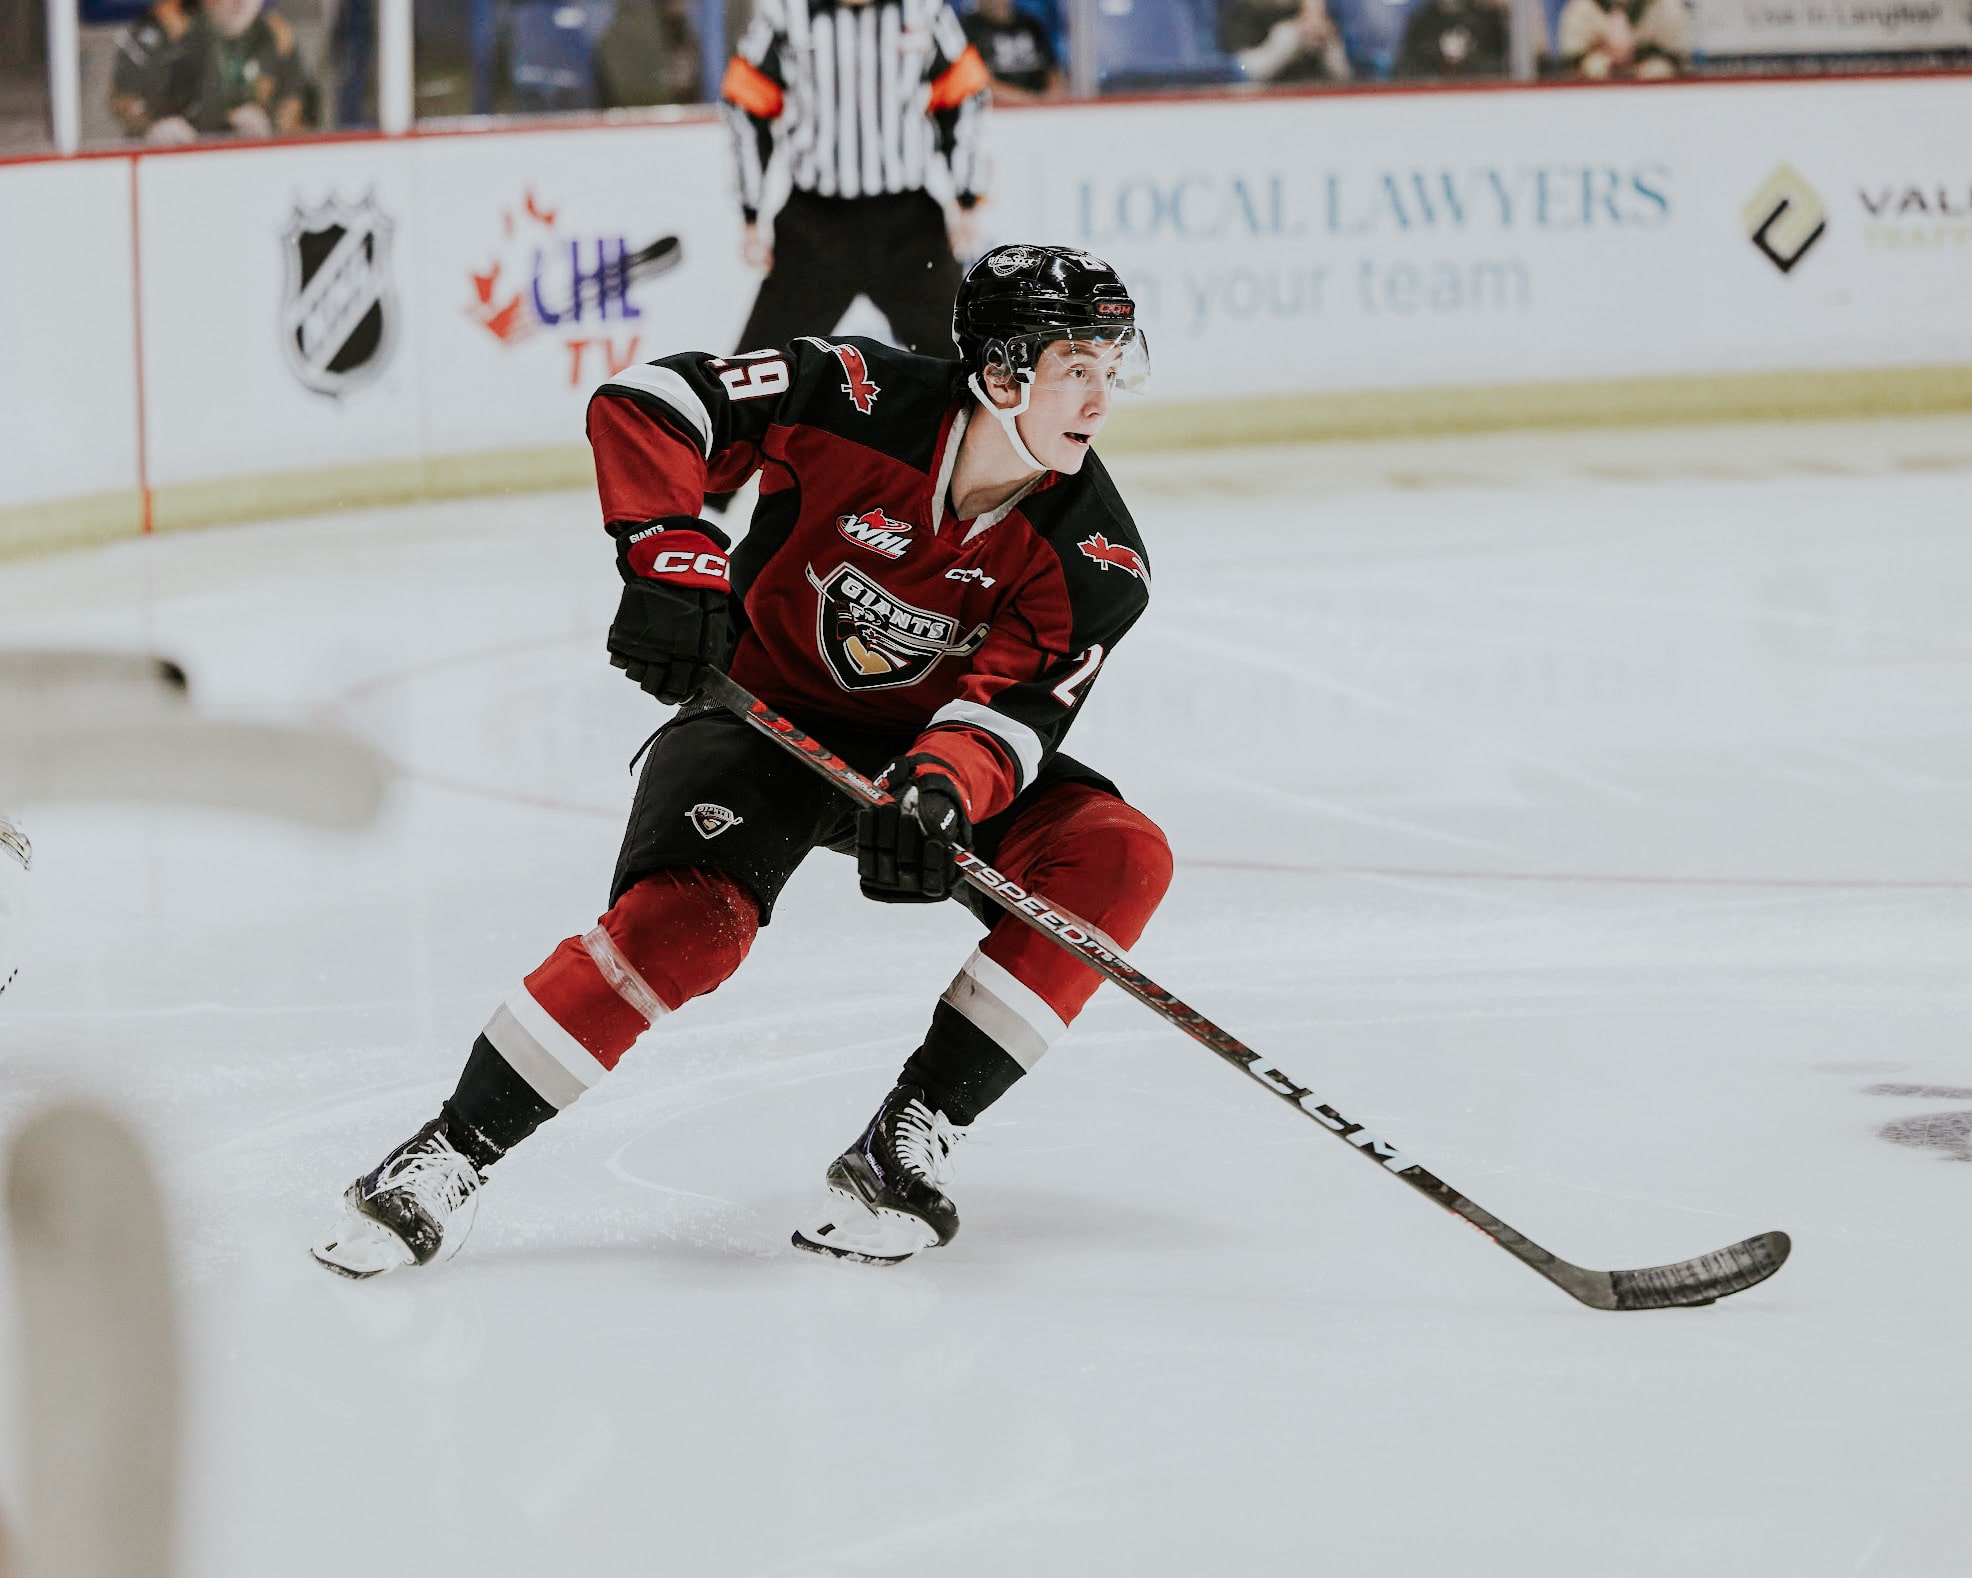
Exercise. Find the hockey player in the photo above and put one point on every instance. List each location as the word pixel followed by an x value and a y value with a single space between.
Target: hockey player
pixel 937 570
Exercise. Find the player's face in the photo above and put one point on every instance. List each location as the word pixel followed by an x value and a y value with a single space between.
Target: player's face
pixel 232 17
pixel 1073 381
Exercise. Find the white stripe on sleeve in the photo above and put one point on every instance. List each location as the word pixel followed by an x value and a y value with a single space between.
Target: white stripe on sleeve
pixel 662 384
pixel 1010 732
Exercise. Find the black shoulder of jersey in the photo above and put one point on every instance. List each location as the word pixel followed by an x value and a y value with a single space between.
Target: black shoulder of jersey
pixel 874 394
pixel 1104 563
pixel 1085 520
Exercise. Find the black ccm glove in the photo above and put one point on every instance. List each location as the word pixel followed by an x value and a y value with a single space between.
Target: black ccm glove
pixel 904 849
pixel 674 624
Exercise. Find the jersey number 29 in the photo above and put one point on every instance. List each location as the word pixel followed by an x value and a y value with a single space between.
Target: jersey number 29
pixel 761 373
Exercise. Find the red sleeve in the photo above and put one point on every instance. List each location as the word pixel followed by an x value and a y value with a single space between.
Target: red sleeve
pixel 985 773
pixel 644 469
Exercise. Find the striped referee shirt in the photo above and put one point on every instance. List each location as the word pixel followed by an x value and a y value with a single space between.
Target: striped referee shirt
pixel 858 99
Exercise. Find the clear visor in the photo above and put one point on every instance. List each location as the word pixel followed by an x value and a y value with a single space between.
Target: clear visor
pixel 1120 355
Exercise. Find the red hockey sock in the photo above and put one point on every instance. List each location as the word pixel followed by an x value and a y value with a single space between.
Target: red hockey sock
pixel 1088 852
pixel 672 937
pixel 1085 851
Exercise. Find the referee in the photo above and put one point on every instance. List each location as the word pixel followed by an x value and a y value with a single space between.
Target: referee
pixel 874 109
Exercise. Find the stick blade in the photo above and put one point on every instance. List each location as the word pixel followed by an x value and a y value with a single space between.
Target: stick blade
pixel 1689 1283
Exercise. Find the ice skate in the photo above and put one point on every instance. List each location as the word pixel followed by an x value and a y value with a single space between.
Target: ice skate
pixel 886 1198
pixel 414 1207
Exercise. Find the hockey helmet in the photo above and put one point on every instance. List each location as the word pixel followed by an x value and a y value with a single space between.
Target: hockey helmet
pixel 1018 299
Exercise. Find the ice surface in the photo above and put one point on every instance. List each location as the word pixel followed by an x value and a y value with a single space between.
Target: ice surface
pixel 1603 844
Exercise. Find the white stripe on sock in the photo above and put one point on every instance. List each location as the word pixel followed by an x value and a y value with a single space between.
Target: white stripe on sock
pixel 1012 1014
pixel 558 1066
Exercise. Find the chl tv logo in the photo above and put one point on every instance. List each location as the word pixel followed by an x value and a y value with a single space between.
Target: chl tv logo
pixel 1785 217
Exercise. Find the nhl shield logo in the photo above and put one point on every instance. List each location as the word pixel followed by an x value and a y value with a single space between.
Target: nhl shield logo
pixel 712 820
pixel 339 313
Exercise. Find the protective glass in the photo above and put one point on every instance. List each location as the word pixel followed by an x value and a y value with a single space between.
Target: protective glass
pixel 1021 356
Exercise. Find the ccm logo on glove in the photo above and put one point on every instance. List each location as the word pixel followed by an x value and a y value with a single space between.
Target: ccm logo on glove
pixel 684 558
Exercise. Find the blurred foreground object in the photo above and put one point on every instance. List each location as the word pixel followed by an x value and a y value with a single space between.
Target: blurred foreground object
pixel 119 726
pixel 16 857
pixel 97 1335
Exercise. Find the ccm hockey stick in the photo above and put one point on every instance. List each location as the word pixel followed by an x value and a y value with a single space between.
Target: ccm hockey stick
pixel 1688 1282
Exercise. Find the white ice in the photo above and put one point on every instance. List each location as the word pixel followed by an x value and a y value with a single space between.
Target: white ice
pixel 1596 830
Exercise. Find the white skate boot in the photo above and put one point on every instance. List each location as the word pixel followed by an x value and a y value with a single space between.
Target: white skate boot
pixel 886 1196
pixel 414 1207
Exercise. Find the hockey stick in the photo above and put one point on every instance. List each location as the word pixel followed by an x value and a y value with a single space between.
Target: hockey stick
pixel 1688 1282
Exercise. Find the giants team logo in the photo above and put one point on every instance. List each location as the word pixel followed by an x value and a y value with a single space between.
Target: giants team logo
pixel 339 312
pixel 1106 553
pixel 859 388
pixel 877 532
pixel 872 641
pixel 712 820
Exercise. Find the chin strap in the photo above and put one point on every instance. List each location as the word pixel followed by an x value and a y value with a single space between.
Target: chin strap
pixel 1004 415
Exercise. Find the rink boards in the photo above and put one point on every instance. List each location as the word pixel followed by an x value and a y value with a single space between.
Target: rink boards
pixel 238 332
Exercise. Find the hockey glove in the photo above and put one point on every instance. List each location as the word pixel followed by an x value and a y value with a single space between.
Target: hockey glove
pixel 904 850
pixel 674 624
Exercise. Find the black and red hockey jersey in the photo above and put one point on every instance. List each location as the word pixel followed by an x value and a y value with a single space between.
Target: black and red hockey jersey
pixel 860 600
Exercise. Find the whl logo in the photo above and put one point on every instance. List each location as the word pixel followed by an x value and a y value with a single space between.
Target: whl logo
pixel 1785 217
pixel 1108 554
pixel 877 532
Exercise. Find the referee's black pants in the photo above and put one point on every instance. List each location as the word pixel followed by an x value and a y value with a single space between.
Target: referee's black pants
pixel 891 247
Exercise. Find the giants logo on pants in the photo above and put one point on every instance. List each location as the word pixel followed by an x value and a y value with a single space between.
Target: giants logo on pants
pixel 872 641
pixel 712 820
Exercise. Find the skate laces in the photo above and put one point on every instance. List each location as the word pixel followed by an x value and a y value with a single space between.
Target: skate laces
pixel 924 1141
pixel 433 1174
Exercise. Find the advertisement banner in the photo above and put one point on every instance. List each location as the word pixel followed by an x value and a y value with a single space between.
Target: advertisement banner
pixel 1829 27
pixel 1330 244
pixel 398 303
pixel 68 380
pixel 556 259
pixel 278 335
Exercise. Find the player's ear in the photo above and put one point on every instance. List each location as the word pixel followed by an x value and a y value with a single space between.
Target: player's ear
pixel 1001 384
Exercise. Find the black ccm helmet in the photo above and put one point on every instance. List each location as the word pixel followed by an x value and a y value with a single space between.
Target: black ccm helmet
pixel 1018 299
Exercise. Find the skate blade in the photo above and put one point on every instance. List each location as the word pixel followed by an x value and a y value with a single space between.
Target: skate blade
pixel 359 1247
pixel 850 1230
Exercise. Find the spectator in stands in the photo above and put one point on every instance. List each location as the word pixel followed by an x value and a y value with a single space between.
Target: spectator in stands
pixel 1600 39
pixel 1454 38
pixel 649 54
pixel 256 85
pixel 353 60
pixel 1017 50
pixel 209 68
pixel 1275 42
pixel 160 61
